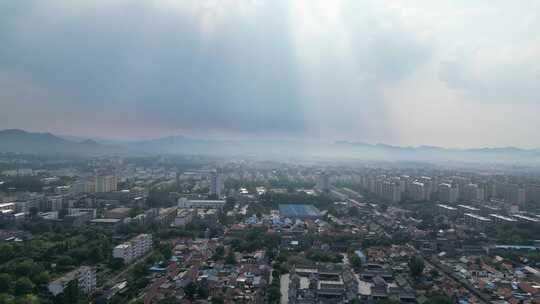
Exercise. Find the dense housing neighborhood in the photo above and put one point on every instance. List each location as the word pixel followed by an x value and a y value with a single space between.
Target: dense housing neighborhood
pixel 138 230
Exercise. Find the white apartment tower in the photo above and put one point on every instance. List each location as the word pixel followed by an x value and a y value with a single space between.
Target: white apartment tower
pixel 323 182
pixel 472 192
pixel 391 191
pixel 417 191
pixel 216 184
pixel 448 193
pixel 106 183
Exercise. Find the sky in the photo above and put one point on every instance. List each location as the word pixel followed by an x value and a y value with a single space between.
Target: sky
pixel 460 73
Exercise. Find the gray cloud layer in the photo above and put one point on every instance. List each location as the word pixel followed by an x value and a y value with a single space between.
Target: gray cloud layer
pixel 453 74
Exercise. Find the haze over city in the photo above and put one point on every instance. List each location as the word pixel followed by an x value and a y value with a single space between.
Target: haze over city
pixel 269 152
pixel 444 73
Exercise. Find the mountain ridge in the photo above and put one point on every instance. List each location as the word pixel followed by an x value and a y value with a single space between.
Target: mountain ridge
pixel 17 140
pixel 21 141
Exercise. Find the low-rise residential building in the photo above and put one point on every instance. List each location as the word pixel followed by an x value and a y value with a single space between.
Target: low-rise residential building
pixel 329 283
pixel 106 223
pixel 476 220
pixel 205 204
pixel 118 213
pixel 183 217
pixel 85 277
pixel 526 219
pixel 497 218
pixel 78 219
pixel 166 216
pixel 134 248
pixel 7 206
pixel 447 210
pixel 467 209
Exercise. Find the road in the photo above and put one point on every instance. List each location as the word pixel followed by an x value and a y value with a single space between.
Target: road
pixel 117 277
pixel 483 298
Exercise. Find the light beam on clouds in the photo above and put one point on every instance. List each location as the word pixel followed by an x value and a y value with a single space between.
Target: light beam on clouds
pixel 452 73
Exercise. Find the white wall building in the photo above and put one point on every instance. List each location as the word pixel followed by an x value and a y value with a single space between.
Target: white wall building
pixel 134 248
pixel 107 183
pixel 55 203
pixel 184 203
pixel 417 191
pixel 472 192
pixel 323 182
pixel 7 206
pixel 216 184
pixel 391 191
pixel 85 276
pixel 448 193
pixel 183 217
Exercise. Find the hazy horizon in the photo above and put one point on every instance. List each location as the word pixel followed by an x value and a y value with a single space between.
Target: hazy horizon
pixel 281 143
pixel 453 74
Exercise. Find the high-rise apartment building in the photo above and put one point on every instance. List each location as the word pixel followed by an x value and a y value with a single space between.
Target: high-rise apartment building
pixel 448 193
pixel 391 191
pixel 323 182
pixel 472 192
pixel 417 191
pixel 216 184
pixel 106 183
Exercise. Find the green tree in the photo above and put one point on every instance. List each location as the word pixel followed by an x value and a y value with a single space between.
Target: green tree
pixel 116 263
pixel 6 252
pixel 96 254
pixel 41 278
pixel 66 261
pixel 440 299
pixel 202 291
pixel 168 300
pixel 156 258
pixel 24 183
pixel 190 290
pixel 6 299
pixel 24 268
pixel 387 301
pixel 23 286
pixel 230 259
pixel 416 266
pixel 28 299
pixel 158 198
pixel 217 300
pixel 5 282
pixel 220 252
pixel 71 293
pixel 356 262
pixel 274 294
pixel 140 270
pixel 166 250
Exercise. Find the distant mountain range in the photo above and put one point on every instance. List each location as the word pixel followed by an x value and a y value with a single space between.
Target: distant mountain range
pixel 14 140
pixel 431 153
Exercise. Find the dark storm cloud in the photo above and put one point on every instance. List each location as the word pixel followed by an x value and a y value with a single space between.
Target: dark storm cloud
pixel 189 67
pixel 377 71
pixel 244 79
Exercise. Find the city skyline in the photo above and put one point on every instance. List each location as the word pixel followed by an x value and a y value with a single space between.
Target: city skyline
pixel 444 74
